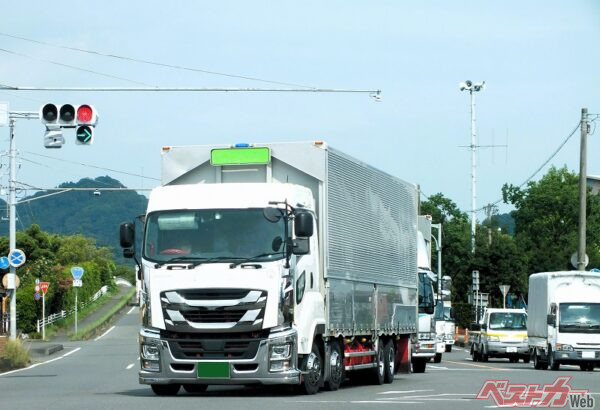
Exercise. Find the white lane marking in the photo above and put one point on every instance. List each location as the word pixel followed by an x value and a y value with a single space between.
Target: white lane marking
pixel 131 310
pixel 440 396
pixel 104 334
pixel 403 391
pixel 458 349
pixel 383 402
pixel 438 367
pixel 138 359
pixel 130 366
pixel 478 365
pixel 71 352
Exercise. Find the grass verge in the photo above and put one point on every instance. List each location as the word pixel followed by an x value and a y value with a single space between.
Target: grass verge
pixel 93 327
pixel 53 329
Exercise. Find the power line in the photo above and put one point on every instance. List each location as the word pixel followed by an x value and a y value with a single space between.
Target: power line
pixel 86 165
pixel 562 144
pixel 155 63
pixel 72 67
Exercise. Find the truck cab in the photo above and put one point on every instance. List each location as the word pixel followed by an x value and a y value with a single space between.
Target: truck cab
pixel 503 333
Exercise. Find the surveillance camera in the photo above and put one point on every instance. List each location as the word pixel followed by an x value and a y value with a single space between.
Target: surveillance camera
pixel 468 83
pixel 462 86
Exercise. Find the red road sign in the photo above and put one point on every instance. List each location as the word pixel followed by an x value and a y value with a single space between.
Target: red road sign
pixel 44 286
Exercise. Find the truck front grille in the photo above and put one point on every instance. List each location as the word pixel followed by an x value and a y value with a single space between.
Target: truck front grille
pixel 213 310
pixel 208 346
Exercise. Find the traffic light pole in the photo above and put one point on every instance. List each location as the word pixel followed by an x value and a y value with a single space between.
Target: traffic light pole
pixel 12 212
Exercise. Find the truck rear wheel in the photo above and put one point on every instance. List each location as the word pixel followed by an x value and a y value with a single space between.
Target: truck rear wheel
pixel 448 348
pixel 312 364
pixel 389 354
pixel 437 358
pixel 537 362
pixel 336 366
pixel 165 389
pixel 378 372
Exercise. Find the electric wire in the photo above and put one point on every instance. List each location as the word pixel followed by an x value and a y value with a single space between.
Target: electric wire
pixel 90 166
pixel 155 63
pixel 562 144
pixel 73 67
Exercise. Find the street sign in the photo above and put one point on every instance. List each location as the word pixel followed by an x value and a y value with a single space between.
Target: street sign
pixel 77 272
pixel 4 263
pixel 44 286
pixel 504 289
pixel 37 281
pixel 77 283
pixel 16 258
pixel 9 283
pixel 37 296
pixel 586 260
pixel 37 288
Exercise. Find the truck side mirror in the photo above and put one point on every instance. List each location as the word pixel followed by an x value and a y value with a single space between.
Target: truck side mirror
pixel 127 239
pixel 483 326
pixel 551 320
pixel 303 224
pixel 301 246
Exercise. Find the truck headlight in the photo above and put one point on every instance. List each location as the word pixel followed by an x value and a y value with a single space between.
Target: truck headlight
pixel 564 347
pixel 150 352
pixel 493 339
pixel 281 352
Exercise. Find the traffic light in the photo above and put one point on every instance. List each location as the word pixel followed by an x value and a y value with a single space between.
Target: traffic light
pixel 56 117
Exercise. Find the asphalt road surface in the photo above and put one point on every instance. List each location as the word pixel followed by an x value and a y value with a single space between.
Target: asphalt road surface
pixel 102 374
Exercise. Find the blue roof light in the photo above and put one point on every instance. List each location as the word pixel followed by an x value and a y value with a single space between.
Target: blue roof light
pixel 242 145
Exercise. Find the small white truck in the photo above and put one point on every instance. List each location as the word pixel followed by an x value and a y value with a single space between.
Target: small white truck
pixel 563 321
pixel 277 263
pixel 503 333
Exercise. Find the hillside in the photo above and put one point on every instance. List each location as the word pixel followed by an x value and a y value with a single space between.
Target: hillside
pixel 82 212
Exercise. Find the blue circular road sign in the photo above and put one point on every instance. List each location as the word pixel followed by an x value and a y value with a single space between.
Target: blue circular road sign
pixel 4 263
pixel 16 258
pixel 77 272
pixel 37 296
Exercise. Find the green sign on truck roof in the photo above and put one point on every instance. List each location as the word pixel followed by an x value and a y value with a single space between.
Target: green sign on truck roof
pixel 240 156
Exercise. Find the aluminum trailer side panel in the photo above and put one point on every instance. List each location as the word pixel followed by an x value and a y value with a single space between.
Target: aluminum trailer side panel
pixel 371 258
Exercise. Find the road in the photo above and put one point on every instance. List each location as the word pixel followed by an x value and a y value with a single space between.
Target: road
pixel 102 374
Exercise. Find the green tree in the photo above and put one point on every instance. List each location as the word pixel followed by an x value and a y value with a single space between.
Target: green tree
pixel 547 219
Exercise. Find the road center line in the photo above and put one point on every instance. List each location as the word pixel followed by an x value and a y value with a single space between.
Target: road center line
pixel 71 352
pixel 104 334
pixel 477 365
pixel 403 391
pixel 130 366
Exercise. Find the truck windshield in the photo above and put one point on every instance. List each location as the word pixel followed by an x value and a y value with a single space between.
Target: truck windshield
pixel 213 235
pixel 508 321
pixel 579 318
pixel 426 304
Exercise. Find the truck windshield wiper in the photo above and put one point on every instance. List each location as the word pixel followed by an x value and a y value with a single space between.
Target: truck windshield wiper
pixel 250 259
pixel 195 261
pixel 178 259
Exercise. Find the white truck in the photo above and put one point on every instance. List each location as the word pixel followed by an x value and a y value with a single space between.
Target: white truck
pixel 448 318
pixel 563 323
pixel 503 333
pixel 283 263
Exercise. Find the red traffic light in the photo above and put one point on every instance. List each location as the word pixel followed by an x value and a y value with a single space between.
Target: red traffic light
pixel 85 114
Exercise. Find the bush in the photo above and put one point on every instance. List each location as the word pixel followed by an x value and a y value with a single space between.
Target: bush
pixel 15 355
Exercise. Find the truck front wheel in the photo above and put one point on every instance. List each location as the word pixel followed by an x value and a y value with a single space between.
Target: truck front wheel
pixel 165 389
pixel 554 365
pixel 437 358
pixel 312 365
pixel 336 366
pixel 448 348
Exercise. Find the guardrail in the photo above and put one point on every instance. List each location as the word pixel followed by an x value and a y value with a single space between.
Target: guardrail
pixel 66 313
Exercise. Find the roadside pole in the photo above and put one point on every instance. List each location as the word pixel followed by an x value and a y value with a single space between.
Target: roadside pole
pixel 12 227
pixel 77 273
pixel 44 316
pixel 76 312
pixel 581 255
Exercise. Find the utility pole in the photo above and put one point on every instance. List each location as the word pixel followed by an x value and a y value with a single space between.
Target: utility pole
pixel 12 226
pixel 438 242
pixel 582 190
pixel 473 87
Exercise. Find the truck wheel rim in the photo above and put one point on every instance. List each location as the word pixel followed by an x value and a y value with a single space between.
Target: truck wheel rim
pixel 381 363
pixel 314 369
pixel 391 361
pixel 336 367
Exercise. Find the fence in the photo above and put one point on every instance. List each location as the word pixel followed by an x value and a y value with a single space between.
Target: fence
pixel 66 313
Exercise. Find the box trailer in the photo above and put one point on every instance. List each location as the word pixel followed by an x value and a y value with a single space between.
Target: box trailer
pixel 282 263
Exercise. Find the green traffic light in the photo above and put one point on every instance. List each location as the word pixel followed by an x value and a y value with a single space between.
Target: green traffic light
pixel 84 134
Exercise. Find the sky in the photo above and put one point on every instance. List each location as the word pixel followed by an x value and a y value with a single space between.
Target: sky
pixel 539 60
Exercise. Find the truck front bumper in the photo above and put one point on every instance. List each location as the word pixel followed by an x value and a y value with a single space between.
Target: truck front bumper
pixel 577 357
pixel 424 349
pixel 504 349
pixel 257 370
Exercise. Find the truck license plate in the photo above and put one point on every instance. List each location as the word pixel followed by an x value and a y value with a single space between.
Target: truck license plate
pixel 213 370
pixel 588 355
pixel 511 349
